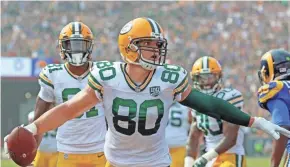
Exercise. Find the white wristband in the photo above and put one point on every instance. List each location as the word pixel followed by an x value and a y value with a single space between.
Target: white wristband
pixel 32 128
pixel 210 155
pixel 188 161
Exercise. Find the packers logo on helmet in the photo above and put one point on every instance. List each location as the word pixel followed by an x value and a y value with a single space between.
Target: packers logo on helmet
pixel 132 41
pixel 76 43
pixel 274 65
pixel 206 74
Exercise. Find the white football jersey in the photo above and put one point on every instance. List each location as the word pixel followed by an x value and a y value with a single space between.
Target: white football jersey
pixel 48 142
pixel 178 126
pixel 213 128
pixel 84 134
pixel 137 115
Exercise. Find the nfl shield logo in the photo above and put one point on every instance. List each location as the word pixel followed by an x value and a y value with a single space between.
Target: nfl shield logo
pixel 154 91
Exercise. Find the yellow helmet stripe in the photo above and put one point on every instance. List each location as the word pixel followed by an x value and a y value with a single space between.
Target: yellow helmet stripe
pixel 270 66
pixel 270 63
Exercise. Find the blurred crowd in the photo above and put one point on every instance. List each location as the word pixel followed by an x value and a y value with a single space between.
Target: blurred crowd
pixel 236 33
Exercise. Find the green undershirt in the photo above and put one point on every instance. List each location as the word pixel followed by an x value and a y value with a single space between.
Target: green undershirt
pixel 215 107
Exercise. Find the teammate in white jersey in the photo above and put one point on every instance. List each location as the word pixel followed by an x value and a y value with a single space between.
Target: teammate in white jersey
pixel 225 138
pixel 79 142
pixel 137 96
pixel 47 151
pixel 177 132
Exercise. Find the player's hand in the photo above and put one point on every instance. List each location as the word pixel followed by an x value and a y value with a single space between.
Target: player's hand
pixel 188 161
pixel 270 128
pixel 200 162
pixel 5 146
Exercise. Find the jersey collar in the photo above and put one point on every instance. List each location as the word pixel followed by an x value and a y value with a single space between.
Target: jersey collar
pixel 132 84
pixel 81 77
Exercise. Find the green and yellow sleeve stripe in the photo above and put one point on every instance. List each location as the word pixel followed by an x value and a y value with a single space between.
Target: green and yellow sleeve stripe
pixel 95 84
pixel 181 87
pixel 236 100
pixel 45 80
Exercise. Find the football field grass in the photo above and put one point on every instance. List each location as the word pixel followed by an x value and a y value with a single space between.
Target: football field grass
pixel 252 162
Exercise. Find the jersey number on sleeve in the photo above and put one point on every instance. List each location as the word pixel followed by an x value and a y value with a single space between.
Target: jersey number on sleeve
pixel 207 128
pixel 73 91
pixel 131 105
pixel 54 67
pixel 107 71
pixel 171 74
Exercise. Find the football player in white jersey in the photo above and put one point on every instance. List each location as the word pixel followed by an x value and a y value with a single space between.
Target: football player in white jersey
pixel 224 138
pixel 137 96
pixel 79 142
pixel 47 151
pixel 177 132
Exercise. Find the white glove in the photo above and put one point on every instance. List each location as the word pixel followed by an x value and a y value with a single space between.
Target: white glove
pixel 270 128
pixel 188 161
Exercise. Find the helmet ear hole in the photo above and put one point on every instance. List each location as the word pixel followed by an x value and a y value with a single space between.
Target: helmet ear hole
pixel 133 47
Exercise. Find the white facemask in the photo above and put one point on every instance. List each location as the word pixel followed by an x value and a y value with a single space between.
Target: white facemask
pixel 77 59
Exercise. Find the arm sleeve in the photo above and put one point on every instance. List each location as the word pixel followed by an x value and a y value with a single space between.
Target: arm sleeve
pixel 279 111
pixel 236 99
pixel 95 84
pixel 182 84
pixel 46 92
pixel 216 108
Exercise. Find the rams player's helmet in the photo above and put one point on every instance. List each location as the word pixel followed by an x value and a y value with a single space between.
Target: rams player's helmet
pixel 132 38
pixel 274 65
pixel 76 43
pixel 206 75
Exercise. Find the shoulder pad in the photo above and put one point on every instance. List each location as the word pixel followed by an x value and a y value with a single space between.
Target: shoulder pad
pixel 180 73
pixel 174 78
pixel 102 72
pixel 45 78
pixel 105 70
pixel 233 96
pixel 268 91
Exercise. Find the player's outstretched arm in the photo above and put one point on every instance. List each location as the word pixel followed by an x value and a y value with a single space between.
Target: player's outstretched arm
pixel 192 146
pixel 221 109
pixel 57 116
